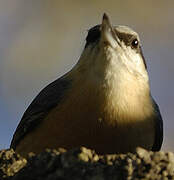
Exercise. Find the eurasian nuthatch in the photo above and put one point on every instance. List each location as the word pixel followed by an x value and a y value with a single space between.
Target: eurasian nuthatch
pixel 103 103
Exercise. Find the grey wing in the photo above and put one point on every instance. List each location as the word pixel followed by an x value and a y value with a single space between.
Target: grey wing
pixel 158 130
pixel 47 99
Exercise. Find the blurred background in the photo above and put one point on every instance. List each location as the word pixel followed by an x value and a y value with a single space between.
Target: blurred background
pixel 41 40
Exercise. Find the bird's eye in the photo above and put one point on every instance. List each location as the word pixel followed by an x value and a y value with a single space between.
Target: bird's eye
pixel 135 43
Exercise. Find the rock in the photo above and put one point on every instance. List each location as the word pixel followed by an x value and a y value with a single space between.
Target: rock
pixel 83 163
pixel 10 163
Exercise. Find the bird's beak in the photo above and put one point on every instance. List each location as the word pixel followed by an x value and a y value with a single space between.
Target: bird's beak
pixel 108 35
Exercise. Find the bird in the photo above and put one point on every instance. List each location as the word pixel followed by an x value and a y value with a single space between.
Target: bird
pixel 103 103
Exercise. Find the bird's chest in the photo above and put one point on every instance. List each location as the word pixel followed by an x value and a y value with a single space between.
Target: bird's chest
pixel 100 120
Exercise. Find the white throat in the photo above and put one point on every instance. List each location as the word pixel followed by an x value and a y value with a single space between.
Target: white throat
pixel 123 81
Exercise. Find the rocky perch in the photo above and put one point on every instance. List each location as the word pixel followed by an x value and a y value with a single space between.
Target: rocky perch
pixel 82 163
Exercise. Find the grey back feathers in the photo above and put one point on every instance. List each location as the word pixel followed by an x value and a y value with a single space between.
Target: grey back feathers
pixel 47 99
pixel 158 129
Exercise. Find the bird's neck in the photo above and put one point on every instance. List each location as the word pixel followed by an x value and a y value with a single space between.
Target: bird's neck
pixel 119 91
pixel 123 94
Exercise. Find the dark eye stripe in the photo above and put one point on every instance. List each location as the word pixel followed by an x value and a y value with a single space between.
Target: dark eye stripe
pixel 93 35
pixel 125 37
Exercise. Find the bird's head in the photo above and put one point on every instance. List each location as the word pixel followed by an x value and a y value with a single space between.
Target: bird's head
pixel 113 52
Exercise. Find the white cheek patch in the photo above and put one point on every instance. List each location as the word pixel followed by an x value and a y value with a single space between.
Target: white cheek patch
pixel 132 60
pixel 135 56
